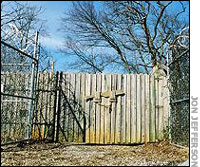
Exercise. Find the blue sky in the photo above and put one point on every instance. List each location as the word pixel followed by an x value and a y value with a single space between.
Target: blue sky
pixel 53 11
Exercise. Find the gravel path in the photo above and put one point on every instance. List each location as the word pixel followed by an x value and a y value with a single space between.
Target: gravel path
pixel 84 155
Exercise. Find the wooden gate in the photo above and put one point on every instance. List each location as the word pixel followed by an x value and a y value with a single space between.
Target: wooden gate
pixel 113 108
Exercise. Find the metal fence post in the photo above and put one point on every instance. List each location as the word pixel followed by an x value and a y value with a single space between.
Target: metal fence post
pixel 32 91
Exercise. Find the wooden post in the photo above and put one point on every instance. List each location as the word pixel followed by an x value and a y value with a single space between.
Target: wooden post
pixel 52 68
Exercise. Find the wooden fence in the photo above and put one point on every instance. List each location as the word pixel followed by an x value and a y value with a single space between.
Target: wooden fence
pixel 104 108
pixel 118 108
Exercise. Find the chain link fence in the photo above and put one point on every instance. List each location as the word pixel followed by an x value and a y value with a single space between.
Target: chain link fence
pixel 179 89
pixel 18 79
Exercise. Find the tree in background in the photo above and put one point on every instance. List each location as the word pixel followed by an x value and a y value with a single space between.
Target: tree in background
pixel 19 23
pixel 131 36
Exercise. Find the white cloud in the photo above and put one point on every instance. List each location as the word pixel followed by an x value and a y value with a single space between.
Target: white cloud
pixel 51 42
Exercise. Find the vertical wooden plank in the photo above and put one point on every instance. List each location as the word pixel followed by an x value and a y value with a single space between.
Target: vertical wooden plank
pixel 15 86
pixel 160 108
pixel 75 83
pixel 8 82
pixel 51 82
pixel 20 106
pixel 78 96
pixel 103 110
pixel 59 107
pixel 123 125
pixel 128 108
pixel 82 95
pixel 23 101
pixel 82 106
pixel 118 110
pixel 42 110
pixel 108 112
pixel 64 106
pixel 12 82
pixel 7 111
pixel 66 85
pixel 134 108
pixel 75 126
pixel 157 107
pixel 147 110
pixel 87 109
pixel 77 101
pixel 142 108
pixel 92 110
pixel 13 104
pixel 98 110
pixel 131 108
pixel 138 108
pixel 70 121
pixel 26 87
pixel 113 112
pixel 72 97
pixel 35 129
pixel 62 112
pixel 35 119
pixel 152 114
pixel 70 132
pixel 165 104
pixel 47 106
pixel 150 108
pixel 81 87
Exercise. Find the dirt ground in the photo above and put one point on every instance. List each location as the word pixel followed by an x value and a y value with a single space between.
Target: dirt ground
pixel 51 154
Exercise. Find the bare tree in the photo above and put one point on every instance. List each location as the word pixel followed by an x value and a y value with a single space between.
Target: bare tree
pixel 19 23
pixel 86 58
pixel 138 32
